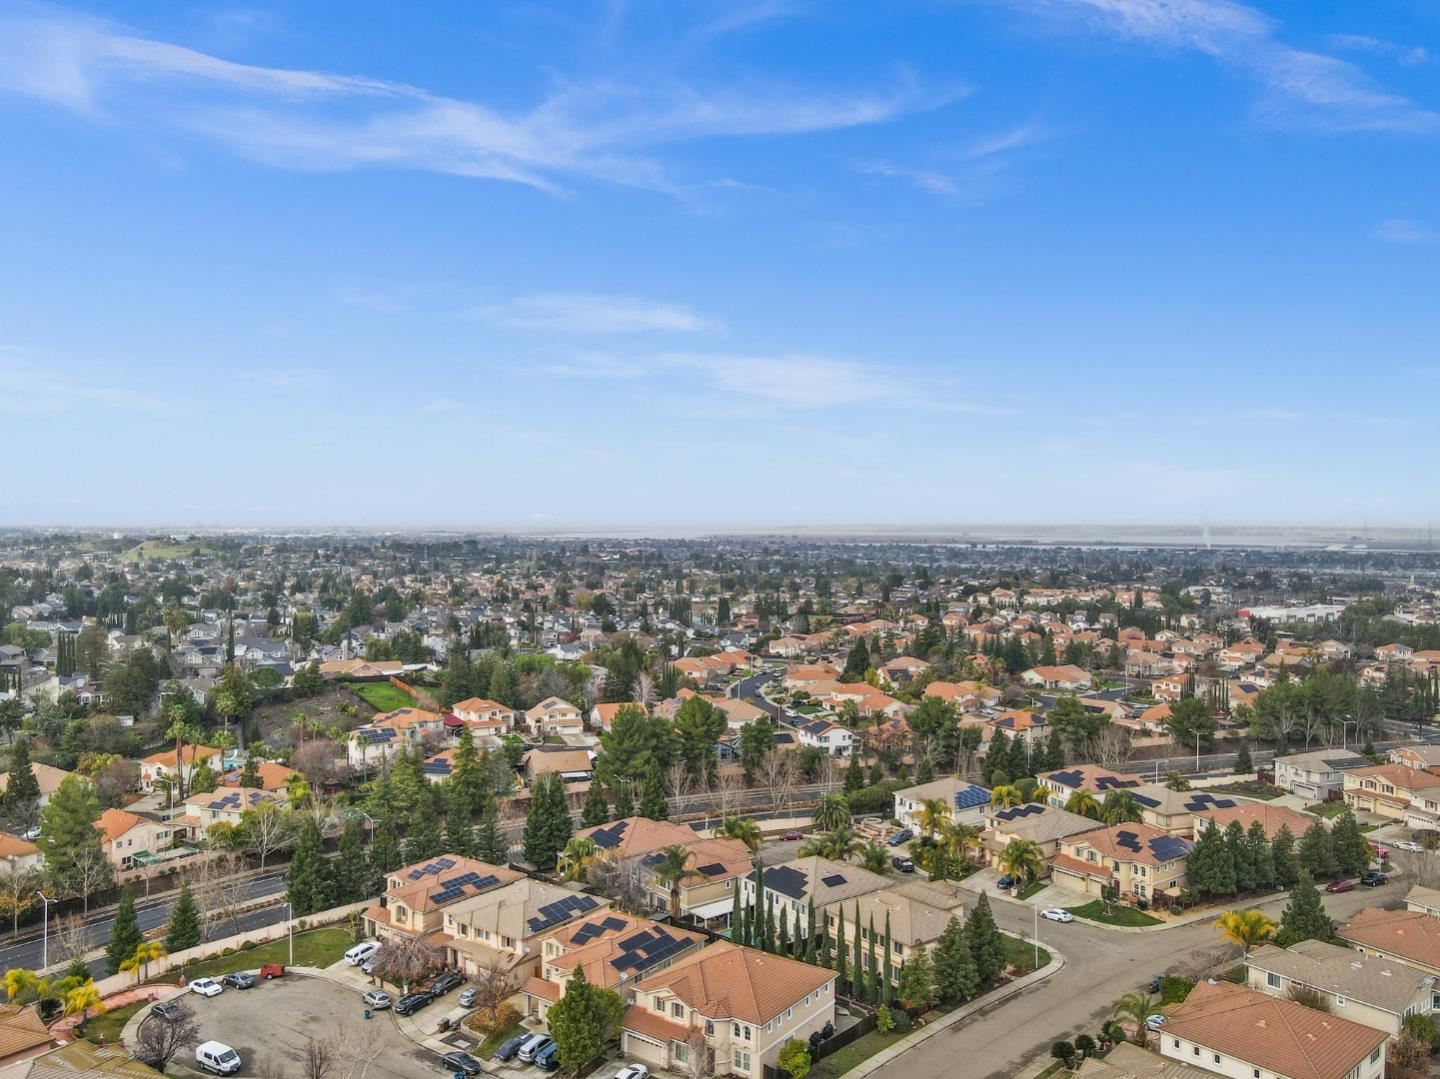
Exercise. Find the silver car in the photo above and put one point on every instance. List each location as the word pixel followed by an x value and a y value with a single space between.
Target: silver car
pixel 377 999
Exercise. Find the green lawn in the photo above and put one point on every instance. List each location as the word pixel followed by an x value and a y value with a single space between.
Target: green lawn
pixel 1117 915
pixel 383 697
pixel 1022 956
pixel 315 948
pixel 1033 887
pixel 1326 809
pixel 854 1054
pixel 112 1022
pixel 486 1049
pixel 808 709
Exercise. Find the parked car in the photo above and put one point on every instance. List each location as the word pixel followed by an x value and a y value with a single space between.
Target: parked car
pixel 1340 886
pixel 361 952
pixel 904 835
pixel 548 1059
pixel 1154 986
pixel 1380 852
pixel 1055 914
pixel 1374 879
pixel 467 997
pixel 633 1071
pixel 510 1047
pixel 412 1002
pixel 791 837
pixel 206 987
pixel 272 970
pixel 167 1009
pixel 1007 881
pixel 217 1057
pixel 460 1062
pixel 905 865
pixel 1156 1021
pixel 377 999
pixel 446 982
pixel 1409 845
pixel 533 1045
pixel 238 980
pixel 369 965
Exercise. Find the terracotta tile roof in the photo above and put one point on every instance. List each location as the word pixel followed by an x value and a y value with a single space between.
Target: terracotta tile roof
pixel 419 886
pixel 20 1029
pixel 631 837
pixel 1272 1033
pixel 116 822
pixel 190 755
pixel 1402 776
pixel 651 1025
pixel 727 981
pixel 1406 934
pixel 12 846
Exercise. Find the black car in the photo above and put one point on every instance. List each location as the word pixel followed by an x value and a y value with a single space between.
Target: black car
pixel 905 865
pixel 509 1048
pixel 463 1063
pixel 238 980
pixel 1007 881
pixel 904 835
pixel 1374 879
pixel 167 1009
pixel 412 1002
pixel 446 982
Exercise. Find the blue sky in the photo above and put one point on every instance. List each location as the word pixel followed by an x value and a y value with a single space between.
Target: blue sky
pixel 755 263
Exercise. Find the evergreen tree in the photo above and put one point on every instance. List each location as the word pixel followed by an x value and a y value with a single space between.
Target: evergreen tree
pixel 1352 852
pixel 21 797
pixel 309 882
pixel 854 774
pixel 547 825
pixel 1210 866
pixel 558 818
pixel 385 855
pixel 250 774
pixel 459 834
pixel 956 975
pixel 596 809
pixel 1284 858
pixel 782 938
pixel 1317 853
pixel 986 945
pixel 1243 764
pixel 422 835
pixel 1017 759
pixel 1238 850
pixel 583 1022
pixel 124 933
pixel 736 912
pixel 917 981
pixel 468 776
pixel 1261 859
pixel 857 662
pixel 747 925
pixel 1304 917
pixel 1055 751
pixel 996 756
pixel 810 934
pixel 767 924
pixel 490 844
pixel 857 961
pixel 653 803
pixel 887 971
pixel 624 800
pixel 68 837
pixel 184 923
pixel 352 870
pixel 841 957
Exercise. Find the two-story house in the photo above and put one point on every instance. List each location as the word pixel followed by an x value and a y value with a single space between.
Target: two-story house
pixel 484 716
pixel 1315 774
pixel 1135 859
pixel 1407 936
pixel 127 837
pixel 968 802
pixel 835 740
pixel 226 805
pixel 162 767
pixel 792 890
pixel 417 896
pixel 1173 811
pixel 1396 791
pixel 1367 989
pixel 726 1010
pixel 914 914
pixel 385 735
pixel 501 929
pixel 1044 825
pixel 555 715
pixel 1061 783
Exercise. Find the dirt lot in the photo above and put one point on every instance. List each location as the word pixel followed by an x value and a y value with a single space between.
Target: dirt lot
pixel 330 708
pixel 270 1025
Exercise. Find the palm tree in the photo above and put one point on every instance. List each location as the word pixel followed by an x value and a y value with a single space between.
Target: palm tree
pixel 578 854
pixel 959 838
pixel 673 867
pixel 831 812
pixel 1246 928
pixel 146 952
pixel 1023 860
pixel 1120 808
pixel 875 858
pixel 1084 803
pixel 745 830
pixel 1136 1006
pixel 838 845
pixel 1111 1033
pixel 1006 796
pixel 80 1000
pixel 934 815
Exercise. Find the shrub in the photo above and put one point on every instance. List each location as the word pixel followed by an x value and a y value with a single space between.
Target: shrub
pixel 884 1019
pixel 1173 989
pixel 1423 1028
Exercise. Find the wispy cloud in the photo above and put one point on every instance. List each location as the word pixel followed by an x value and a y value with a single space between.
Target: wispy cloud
pixel 928 180
pixel 1404 230
pixel 28 388
pixel 1405 55
pixel 1298 87
pixel 588 312
pixel 315 120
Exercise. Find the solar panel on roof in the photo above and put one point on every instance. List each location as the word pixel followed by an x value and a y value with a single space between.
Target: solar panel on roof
pixel 612 923
pixel 834 880
pixel 971 797
pixel 786 880
pixel 1014 812
pixel 555 913
pixel 609 837
pixel 711 870
pixel 1129 840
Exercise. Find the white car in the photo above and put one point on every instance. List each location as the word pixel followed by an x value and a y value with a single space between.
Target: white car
pixel 206 987
pixel 632 1071
pixel 1156 1021
pixel 1410 845
pixel 1055 914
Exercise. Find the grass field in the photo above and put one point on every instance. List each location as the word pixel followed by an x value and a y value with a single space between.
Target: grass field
pixel 112 1022
pixel 163 550
pixel 1021 955
pixel 383 697
pixel 854 1054
pixel 316 948
pixel 1326 809
pixel 1031 888
pixel 1117 915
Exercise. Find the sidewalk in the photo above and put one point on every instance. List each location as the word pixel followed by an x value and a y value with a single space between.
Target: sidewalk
pixel 925 1033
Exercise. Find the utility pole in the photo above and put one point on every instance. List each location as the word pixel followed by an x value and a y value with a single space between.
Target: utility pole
pixel 45 938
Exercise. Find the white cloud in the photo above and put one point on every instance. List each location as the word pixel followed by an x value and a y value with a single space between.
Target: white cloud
pixel 1406 55
pixel 1403 230
pixel 32 389
pixel 586 312
pixel 314 120
pixel 793 381
pixel 927 180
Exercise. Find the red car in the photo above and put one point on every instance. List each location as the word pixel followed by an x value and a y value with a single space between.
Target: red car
pixel 1340 886
pixel 272 970
pixel 1380 852
pixel 791 836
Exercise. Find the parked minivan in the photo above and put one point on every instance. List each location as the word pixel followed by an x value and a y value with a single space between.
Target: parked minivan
pixel 217 1057
pixel 533 1046
pixel 361 952
pixel 548 1059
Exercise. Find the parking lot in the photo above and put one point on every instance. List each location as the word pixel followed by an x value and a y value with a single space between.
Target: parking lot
pixel 270 1026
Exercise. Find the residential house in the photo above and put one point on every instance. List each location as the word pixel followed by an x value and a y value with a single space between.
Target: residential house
pixel 1422 899
pixel 18 856
pixel 22 1033
pixel 796 888
pixel 964 694
pixel 130 838
pixel 1422 756
pixel 1173 811
pixel 1365 989
pixel 1243 1034
pixel 1396 791
pixel 572 765
pixel 1060 784
pixel 274 777
pixel 362 670
pixel 1134 859
pixel 484 716
pixel 1030 727
pixel 161 767
pixel 1316 774
pixel 835 740
pixel 225 805
pixel 502 928
pixel 1065 676
pixel 387 734
pixel 47 777
pixel 1394 653
pixel 417 896
pixel 80 1059
pixel 916 912
pixel 968 802
pixel 632 837
pixel 901 671
pixel 730 1006
pixel 1244 653
pixel 1405 936
pixel 1044 825
pixel 1272 818
pixel 602 716
pixel 612 949
pixel 555 715
pixel 706 892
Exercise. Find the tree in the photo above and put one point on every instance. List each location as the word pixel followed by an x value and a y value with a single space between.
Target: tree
pixel 596 809
pixel 917 981
pixel 233 698
pixel 934 816
pixel 1084 803
pixel 352 869
pixel 1209 866
pixel 1243 764
pixel 794 1059
pixel 838 845
pixel 491 844
pixel 1352 851
pixel 583 1021
pixel 671 870
pixel 459 834
pixel 1261 859
pixel 745 830
pixel 1120 807
pixel 986 945
pixel 83 999
pixel 310 880
pixel 1136 1007
pixel 956 975
pixel 699 725
pixel 184 923
pixel 1064 1052
pixel 857 662
pixel 1304 917
pixel 1189 718
pixel 1284 858
pixel 653 803
pixel 756 743
pixel 547 824
pixel 1023 860
pixel 160 1038
pixel 1317 852
pixel 69 840
pixel 385 854
pixel 1237 847
pixel 124 932
pixel 854 774
pixel 579 854
pixel 624 800
pixel 20 801
pixel 144 953
pixel 1245 928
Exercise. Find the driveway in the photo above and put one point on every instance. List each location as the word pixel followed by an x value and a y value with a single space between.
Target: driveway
pixel 1102 964
pixel 271 1024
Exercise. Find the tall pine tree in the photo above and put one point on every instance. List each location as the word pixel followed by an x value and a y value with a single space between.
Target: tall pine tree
pixel 124 933
pixel 986 945
pixel 1304 917
pixel 309 883
pixel 184 923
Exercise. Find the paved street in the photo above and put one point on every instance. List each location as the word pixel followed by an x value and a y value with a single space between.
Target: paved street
pixel 1101 964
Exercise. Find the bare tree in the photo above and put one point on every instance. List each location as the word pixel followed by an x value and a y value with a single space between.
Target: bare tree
pixel 681 781
pixel 318 1059
pixel 220 891
pixel 1111 746
pixel 158 1039
pixel 728 787
pixel 777 773
pixel 644 689
pixel 69 939
pixel 322 762
pixel 624 881
pixel 493 987
pixel 268 828
pixel 1310 997
pixel 404 961
pixel 356 1048
pixel 92 870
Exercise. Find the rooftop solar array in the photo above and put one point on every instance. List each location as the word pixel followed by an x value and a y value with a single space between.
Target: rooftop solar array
pixel 232 800
pixel 608 838
pixel 438 766
pixel 834 880
pixel 1202 800
pixel 642 950
pixel 712 869
pixel 455 887
pixel 1169 847
pixel 376 734
pixel 971 797
pixel 590 930
pixel 786 880
pixel 1346 762
pixel 560 911
pixel 1113 783
pixel 1029 809
pixel 432 869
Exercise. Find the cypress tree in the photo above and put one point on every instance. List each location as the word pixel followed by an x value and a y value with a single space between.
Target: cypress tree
pixel 653 803
pixel 1352 852
pixel 540 830
pixel 557 819
pixel 459 834
pixel 857 963
pixel 1284 858
pixel 309 882
pixel 624 800
pixel 810 934
pixel 1304 917
pixel 184 923
pixel 840 957
pixel 854 774
pixel 746 931
pixel 469 776
pixel 125 934
pixel 596 809
pixel 767 922
pixel 872 965
pixel 782 942
pixel 489 842
pixel 887 975
pixel 736 912
pixel 1243 764
pixel 1238 850
pixel 986 946
pixel 351 868
pixel 22 791
pixel 1260 856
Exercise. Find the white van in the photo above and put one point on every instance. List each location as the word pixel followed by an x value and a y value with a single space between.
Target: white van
pixel 217 1057
pixel 361 952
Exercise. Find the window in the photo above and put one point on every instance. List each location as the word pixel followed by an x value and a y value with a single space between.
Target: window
pixel 1272 980
pixel 1217 1057
pixel 681 1052
pixel 734 1030
pixel 1255 1072
pixel 677 1010
pixel 1195 1050
pixel 1174 1043
pixel 1375 1054
pixel 659 1005
pixel 1339 1002
pixel 741 1060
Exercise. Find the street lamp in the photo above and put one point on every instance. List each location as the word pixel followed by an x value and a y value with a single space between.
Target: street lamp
pixel 45 939
pixel 1197 751
pixel 290 917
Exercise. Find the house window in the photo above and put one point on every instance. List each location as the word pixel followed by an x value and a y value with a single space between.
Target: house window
pixel 1272 980
pixel 1255 1072
pixel 1217 1057
pixel 677 1010
pixel 741 1060
pixel 709 1029
pixel 1375 1054
pixel 681 1052
pixel 660 1006
pixel 1339 1002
